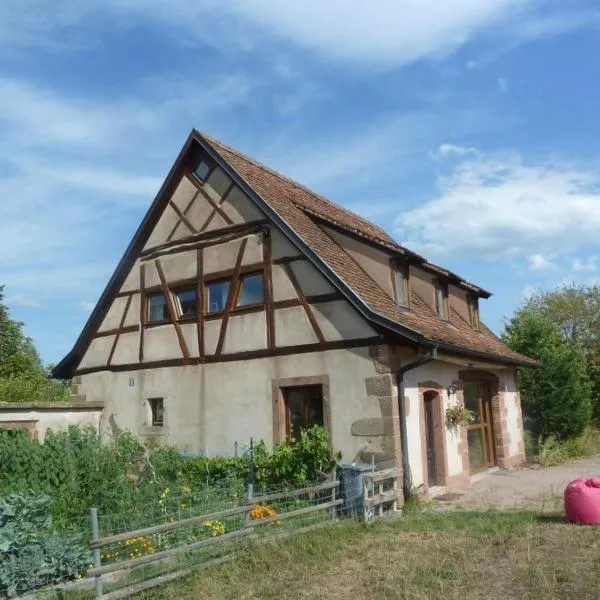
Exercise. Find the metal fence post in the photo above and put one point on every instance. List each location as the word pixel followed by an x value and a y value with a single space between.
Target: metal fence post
pixel 333 508
pixel 250 485
pixel 96 551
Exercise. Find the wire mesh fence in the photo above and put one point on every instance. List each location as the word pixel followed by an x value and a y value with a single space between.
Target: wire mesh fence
pixel 113 554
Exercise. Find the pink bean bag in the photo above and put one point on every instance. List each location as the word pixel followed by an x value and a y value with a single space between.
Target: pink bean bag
pixel 582 501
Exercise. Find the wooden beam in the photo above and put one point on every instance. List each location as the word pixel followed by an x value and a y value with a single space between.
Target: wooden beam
pixel 121 324
pixel 171 309
pixel 316 299
pixel 214 210
pixel 185 212
pixel 182 217
pixel 233 291
pixel 311 317
pixel 142 310
pixel 203 240
pixel 268 288
pixel 200 300
pixel 215 206
pixel 107 332
pixel 241 356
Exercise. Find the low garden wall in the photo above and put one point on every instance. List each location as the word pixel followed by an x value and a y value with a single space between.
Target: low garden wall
pixel 39 417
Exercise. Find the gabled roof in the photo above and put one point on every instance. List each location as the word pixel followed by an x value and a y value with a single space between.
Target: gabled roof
pixel 297 212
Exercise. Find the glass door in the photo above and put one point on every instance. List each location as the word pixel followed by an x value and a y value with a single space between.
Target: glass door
pixel 480 433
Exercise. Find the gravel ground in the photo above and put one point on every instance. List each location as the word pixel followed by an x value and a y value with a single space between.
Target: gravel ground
pixel 530 487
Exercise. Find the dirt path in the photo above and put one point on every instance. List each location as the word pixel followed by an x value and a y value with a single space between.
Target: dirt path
pixel 539 488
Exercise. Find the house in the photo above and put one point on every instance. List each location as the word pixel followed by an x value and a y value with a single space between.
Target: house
pixel 247 306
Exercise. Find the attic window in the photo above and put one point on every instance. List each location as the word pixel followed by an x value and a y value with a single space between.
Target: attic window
pixel 401 285
pixel 441 300
pixel 473 304
pixel 157 308
pixel 202 170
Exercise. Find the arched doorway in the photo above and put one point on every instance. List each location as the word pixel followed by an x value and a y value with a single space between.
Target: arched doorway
pixel 481 397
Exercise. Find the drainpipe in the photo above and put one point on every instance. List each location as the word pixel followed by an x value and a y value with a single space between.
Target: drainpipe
pixel 406 476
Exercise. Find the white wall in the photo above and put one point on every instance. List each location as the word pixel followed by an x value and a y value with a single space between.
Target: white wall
pixel 211 406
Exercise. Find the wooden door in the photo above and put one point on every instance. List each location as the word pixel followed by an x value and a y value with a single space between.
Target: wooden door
pixel 430 438
pixel 480 433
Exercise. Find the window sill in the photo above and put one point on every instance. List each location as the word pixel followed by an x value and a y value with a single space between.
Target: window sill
pixel 153 430
pixel 157 323
pixel 249 308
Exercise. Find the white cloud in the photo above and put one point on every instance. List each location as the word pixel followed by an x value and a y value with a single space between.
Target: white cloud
pixel 446 150
pixel 500 206
pixel 503 85
pixel 539 262
pixel 581 265
pixel 389 33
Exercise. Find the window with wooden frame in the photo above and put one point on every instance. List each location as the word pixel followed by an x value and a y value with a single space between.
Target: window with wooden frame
pixel 157 307
pixel 473 306
pixel 249 291
pixel 186 302
pixel 217 294
pixel 441 299
pixel 156 410
pixel 203 169
pixel 303 408
pixel 252 290
pixel 400 276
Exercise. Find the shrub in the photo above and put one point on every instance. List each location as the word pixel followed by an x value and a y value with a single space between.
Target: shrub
pixel 556 396
pixel 32 554
pixel 554 452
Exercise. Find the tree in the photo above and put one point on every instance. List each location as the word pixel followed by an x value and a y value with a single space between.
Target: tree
pixel 22 374
pixel 575 309
pixel 556 397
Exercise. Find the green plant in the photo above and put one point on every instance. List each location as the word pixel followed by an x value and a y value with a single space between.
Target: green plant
pixel 458 416
pixel 32 554
pixel 298 460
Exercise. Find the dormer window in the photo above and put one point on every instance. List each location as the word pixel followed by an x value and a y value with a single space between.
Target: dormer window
pixel 441 300
pixel 473 304
pixel 401 285
pixel 203 170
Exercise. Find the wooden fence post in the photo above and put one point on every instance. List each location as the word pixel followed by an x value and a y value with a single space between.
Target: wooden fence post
pixel 96 559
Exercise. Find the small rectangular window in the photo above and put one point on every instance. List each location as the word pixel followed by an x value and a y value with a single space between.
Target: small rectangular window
pixel 202 170
pixel 473 312
pixel 441 300
pixel 186 300
pixel 157 307
pixel 401 280
pixel 251 290
pixel 217 294
pixel 157 412
pixel 303 407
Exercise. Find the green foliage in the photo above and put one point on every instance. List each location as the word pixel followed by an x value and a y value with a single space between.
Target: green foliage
pixel 22 376
pixel 575 310
pixel 551 451
pixel 557 396
pixel 123 476
pixel 296 461
pixel 32 554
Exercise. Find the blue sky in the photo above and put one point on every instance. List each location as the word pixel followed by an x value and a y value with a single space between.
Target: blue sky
pixel 467 129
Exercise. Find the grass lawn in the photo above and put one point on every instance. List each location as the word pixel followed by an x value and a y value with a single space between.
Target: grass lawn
pixel 426 556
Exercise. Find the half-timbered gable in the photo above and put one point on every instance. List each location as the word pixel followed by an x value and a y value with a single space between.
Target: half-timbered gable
pixel 248 306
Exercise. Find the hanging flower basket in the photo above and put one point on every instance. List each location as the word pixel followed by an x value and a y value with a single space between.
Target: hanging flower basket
pixel 458 416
